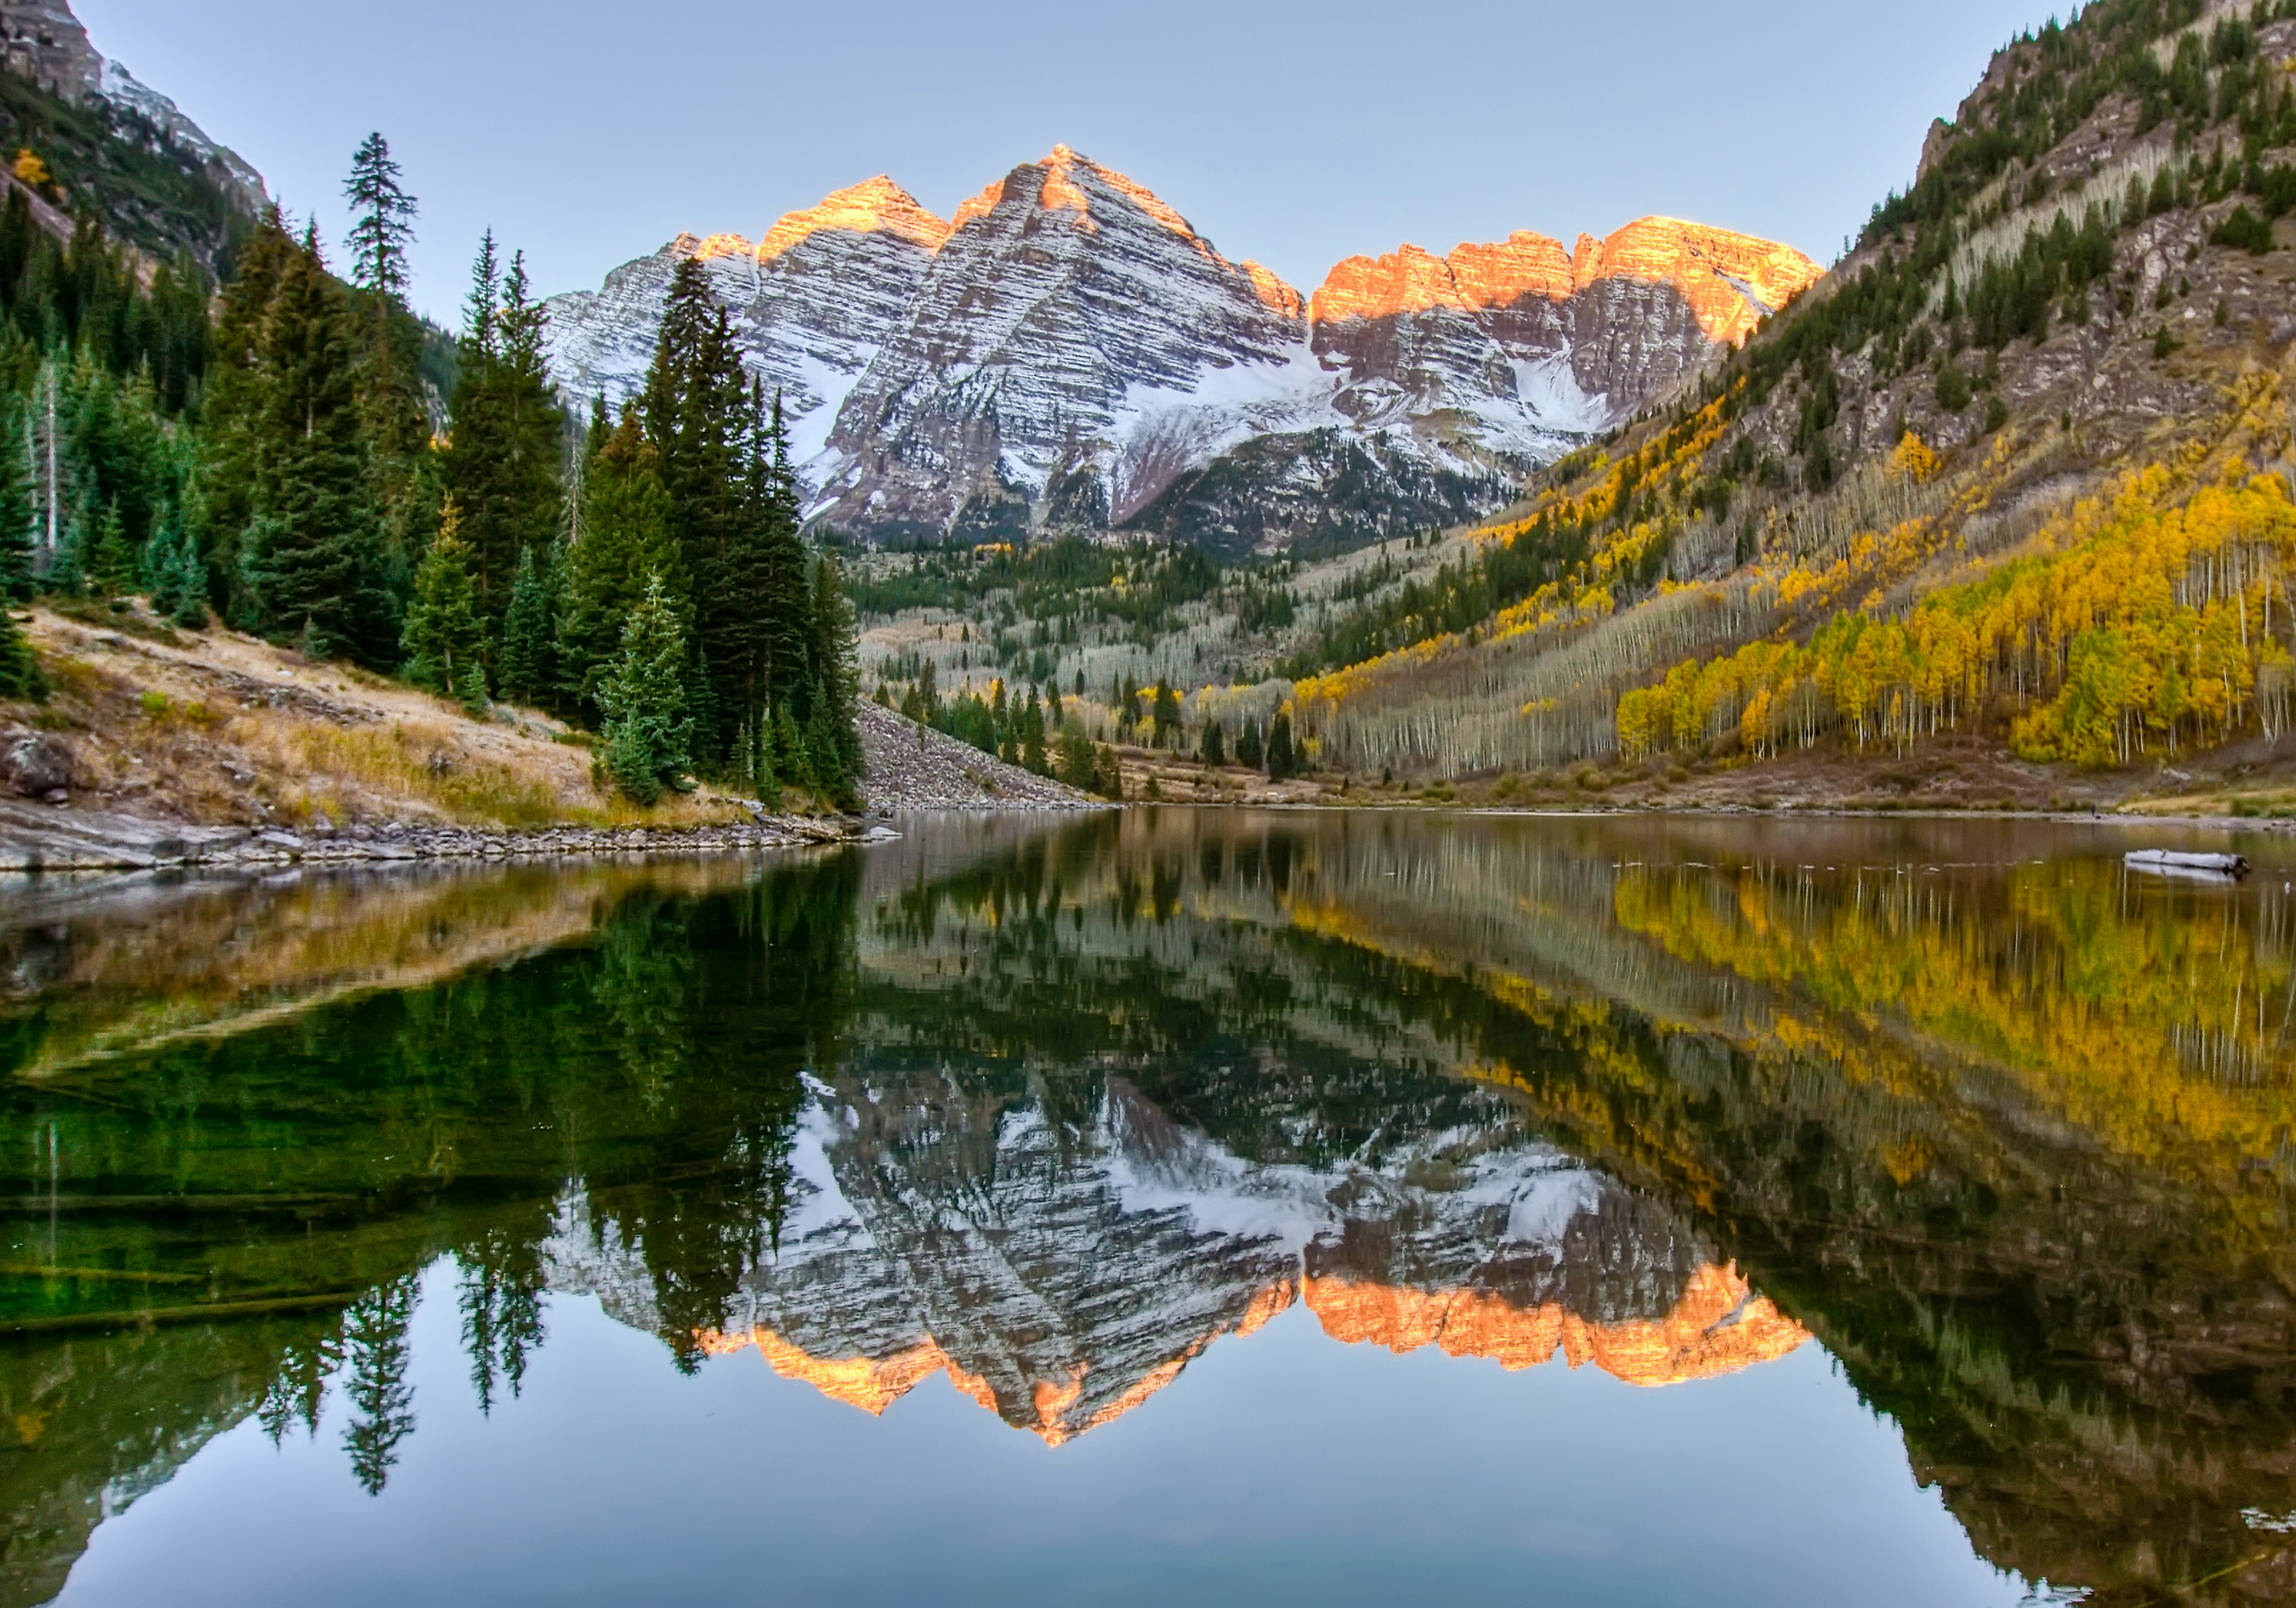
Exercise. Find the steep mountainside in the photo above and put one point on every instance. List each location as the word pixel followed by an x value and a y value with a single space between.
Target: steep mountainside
pixel 2013 475
pixel 1068 354
pixel 111 142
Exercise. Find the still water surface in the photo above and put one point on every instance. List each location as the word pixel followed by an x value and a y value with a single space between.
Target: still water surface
pixel 1177 1206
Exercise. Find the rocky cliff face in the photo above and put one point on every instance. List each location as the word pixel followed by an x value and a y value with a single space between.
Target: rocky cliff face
pixel 1070 354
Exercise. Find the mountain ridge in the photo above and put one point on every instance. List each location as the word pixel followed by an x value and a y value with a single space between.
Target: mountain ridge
pixel 1067 347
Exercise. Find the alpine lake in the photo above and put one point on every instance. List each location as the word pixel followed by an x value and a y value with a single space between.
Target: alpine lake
pixel 1164 1206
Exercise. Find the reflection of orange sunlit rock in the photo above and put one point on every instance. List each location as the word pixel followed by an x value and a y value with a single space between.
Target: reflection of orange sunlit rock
pixel 873 1384
pixel 1719 1326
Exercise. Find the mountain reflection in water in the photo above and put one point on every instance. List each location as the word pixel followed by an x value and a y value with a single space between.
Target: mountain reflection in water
pixel 1046 1111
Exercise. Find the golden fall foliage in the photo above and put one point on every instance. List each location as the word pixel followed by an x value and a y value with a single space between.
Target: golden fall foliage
pixel 2136 620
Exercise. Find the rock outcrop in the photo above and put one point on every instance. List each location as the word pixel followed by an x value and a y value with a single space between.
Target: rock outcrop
pixel 1068 353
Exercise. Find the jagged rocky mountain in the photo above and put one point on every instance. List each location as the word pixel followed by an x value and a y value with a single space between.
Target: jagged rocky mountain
pixel 1067 353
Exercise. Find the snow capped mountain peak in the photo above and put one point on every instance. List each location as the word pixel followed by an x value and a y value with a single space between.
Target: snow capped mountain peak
pixel 873 206
pixel 1067 352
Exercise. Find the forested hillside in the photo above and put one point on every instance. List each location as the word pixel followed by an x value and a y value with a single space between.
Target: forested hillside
pixel 248 434
pixel 2017 470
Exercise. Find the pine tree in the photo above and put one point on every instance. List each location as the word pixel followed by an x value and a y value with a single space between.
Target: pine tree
pixel 837 690
pixel 645 699
pixel 112 564
pixel 1283 763
pixel 1215 749
pixel 391 343
pixel 700 415
pixel 310 557
pixel 18 549
pixel 1165 711
pixel 20 670
pixel 443 640
pixel 1248 752
pixel 235 462
pixel 529 641
pixel 626 540
pixel 383 222
pixel 501 464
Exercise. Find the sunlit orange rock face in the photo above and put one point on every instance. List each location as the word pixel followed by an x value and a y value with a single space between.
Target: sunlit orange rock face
pixel 1411 280
pixel 1702 263
pixel 1719 1326
pixel 876 206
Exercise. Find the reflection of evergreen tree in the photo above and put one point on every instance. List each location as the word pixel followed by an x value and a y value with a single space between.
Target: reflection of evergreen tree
pixel 500 1301
pixel 298 1388
pixel 376 1353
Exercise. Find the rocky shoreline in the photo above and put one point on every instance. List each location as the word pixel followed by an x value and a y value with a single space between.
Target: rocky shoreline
pixel 35 838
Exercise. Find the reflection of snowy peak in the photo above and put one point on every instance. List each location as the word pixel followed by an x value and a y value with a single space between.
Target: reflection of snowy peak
pixel 1069 354
pixel 1062 1275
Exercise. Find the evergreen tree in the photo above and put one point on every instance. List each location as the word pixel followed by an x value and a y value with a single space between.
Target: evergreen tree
pixel 382 220
pixel 112 567
pixel 310 559
pixel 501 464
pixel 626 541
pixel 1248 752
pixel 18 541
pixel 1165 711
pixel 530 644
pixel 1283 762
pixel 701 417
pixel 837 691
pixel 20 670
pixel 1215 749
pixel 645 699
pixel 444 641
pixel 234 463
pixel 391 341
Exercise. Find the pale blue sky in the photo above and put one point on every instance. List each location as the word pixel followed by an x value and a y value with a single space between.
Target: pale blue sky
pixel 1295 131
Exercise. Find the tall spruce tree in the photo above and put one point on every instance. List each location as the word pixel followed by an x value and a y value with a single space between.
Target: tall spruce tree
pixel 311 554
pixel 699 413
pixel 19 547
pixel 529 651
pixel 644 699
pixel 838 766
pixel 501 462
pixel 443 640
pixel 390 381
pixel 234 461
pixel 626 539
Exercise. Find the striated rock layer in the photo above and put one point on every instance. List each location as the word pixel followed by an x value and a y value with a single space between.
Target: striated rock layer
pixel 1067 353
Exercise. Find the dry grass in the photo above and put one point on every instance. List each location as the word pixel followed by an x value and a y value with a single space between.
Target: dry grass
pixel 215 727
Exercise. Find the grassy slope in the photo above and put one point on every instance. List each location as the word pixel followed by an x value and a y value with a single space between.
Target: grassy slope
pixel 216 728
